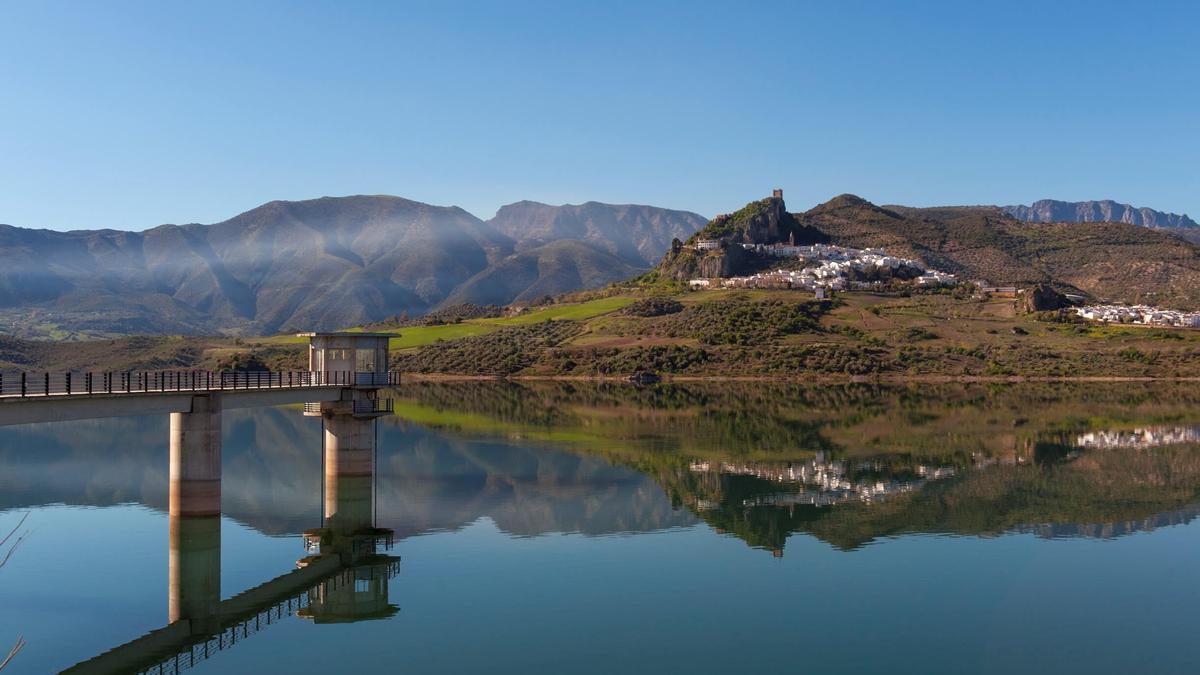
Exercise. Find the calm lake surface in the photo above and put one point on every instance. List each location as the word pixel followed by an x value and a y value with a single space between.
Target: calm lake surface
pixel 607 528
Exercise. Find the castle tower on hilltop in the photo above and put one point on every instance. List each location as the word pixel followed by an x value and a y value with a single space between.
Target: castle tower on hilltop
pixel 777 193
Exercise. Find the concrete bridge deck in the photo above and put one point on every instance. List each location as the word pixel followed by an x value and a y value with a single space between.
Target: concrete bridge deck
pixel 27 398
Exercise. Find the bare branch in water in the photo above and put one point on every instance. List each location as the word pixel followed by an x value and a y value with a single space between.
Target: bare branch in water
pixel 8 554
pixel 14 530
pixel 12 652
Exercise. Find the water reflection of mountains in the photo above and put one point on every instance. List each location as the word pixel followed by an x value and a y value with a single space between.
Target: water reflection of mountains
pixel 852 463
pixel 847 464
pixel 272 477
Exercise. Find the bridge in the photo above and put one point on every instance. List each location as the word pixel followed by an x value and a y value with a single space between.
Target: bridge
pixel 343 579
pixel 55 397
pixel 346 371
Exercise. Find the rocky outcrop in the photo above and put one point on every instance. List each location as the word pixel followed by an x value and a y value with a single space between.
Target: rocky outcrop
pixel 1054 211
pixel 766 221
pixel 1043 298
pixel 687 263
pixel 720 265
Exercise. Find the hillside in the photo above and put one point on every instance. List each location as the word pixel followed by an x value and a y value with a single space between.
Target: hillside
pixel 787 334
pixel 637 235
pixel 1119 262
pixel 316 264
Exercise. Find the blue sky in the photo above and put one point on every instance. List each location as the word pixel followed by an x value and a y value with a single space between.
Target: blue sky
pixel 132 114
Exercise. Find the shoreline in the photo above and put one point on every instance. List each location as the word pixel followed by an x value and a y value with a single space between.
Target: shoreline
pixel 801 378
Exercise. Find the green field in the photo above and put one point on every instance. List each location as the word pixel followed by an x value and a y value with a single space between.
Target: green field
pixel 419 336
pixel 576 312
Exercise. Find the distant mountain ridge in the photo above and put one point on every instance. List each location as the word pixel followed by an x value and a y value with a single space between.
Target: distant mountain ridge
pixel 317 264
pixel 1105 210
pixel 636 234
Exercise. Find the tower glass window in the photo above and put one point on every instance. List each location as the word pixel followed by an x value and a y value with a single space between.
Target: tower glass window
pixel 365 360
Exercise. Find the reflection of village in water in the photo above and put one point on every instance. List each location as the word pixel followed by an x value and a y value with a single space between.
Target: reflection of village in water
pixel 821 481
pixel 1147 437
pixel 824 481
pixel 764 501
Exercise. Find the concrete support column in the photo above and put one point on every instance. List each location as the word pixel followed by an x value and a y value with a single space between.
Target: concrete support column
pixel 196 459
pixel 194 578
pixel 349 471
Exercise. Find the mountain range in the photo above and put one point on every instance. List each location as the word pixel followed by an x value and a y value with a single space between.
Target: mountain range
pixel 336 262
pixel 317 264
pixel 1105 210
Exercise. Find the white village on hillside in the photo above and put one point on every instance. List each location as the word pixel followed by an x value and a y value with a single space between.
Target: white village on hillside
pixel 1139 314
pixel 835 268
pixel 839 268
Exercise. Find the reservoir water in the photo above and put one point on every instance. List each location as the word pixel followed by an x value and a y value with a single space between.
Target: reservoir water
pixel 600 528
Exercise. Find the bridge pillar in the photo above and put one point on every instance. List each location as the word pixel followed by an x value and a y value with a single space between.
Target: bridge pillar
pixel 349 473
pixel 361 591
pixel 194 578
pixel 194 592
pixel 196 459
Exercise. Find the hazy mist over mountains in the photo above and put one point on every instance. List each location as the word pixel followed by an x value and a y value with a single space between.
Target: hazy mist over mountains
pixel 317 264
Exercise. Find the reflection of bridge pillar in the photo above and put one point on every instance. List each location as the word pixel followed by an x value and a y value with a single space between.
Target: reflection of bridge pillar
pixel 349 469
pixel 194 591
pixel 196 459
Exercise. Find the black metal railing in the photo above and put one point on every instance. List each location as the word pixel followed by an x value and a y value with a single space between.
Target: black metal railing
pixel 382 406
pixel 26 385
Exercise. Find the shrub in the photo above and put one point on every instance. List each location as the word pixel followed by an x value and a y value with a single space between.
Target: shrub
pixel 738 321
pixel 504 352
pixel 915 334
pixel 1135 355
pixel 648 307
